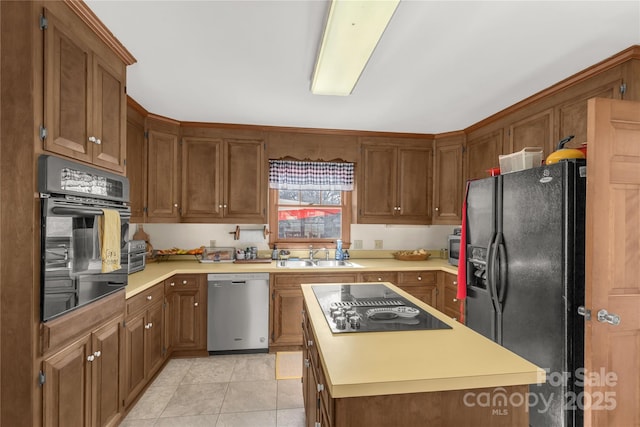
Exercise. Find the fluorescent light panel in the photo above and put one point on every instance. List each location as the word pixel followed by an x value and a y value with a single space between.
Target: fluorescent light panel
pixel 352 32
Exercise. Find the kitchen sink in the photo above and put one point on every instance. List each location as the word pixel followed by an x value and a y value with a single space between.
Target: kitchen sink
pixel 316 263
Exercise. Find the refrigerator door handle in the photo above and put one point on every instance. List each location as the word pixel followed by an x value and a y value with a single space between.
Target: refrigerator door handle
pixel 502 274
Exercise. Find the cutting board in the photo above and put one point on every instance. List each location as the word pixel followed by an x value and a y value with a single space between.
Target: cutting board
pixel 140 234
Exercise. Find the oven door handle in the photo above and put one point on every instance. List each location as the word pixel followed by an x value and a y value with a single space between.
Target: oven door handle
pixel 85 211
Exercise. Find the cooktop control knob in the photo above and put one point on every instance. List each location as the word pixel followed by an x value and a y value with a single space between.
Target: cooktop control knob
pixel 341 322
pixel 354 322
pixel 337 312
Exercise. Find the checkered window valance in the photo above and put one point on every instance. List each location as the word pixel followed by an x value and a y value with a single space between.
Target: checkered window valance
pixel 300 175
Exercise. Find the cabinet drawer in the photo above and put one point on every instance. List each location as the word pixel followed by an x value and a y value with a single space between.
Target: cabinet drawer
pixel 450 300
pixel 416 278
pixel 379 276
pixel 450 280
pixel 182 281
pixel 145 299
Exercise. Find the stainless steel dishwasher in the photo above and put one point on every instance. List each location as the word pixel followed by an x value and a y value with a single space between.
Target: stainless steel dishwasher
pixel 238 312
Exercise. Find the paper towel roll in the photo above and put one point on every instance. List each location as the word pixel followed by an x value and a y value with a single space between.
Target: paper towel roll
pixel 251 235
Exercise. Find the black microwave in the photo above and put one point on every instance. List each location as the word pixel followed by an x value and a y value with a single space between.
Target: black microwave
pixel 454 248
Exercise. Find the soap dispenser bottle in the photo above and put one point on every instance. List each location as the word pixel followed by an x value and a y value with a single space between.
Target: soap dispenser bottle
pixel 274 254
pixel 339 254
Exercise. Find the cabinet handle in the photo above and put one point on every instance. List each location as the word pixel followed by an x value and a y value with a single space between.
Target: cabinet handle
pixel 90 358
pixel 320 387
pixel 149 297
pixel 195 304
pixel 97 353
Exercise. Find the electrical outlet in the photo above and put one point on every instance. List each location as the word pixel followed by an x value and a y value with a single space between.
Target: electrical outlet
pixel 378 244
pixel 212 243
pixel 357 244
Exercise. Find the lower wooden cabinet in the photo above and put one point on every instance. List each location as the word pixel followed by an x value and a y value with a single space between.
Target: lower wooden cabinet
pixel 451 305
pixel 144 345
pixel 420 284
pixel 285 309
pixel 82 380
pixel 187 313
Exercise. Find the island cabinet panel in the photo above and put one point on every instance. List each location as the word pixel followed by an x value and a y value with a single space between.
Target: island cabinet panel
pixel 84 97
pixel 144 345
pixel 82 381
pixel 395 181
pixel 285 309
pixel 186 296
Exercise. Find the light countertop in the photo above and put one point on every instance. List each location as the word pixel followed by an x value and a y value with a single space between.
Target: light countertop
pixel 158 271
pixel 379 363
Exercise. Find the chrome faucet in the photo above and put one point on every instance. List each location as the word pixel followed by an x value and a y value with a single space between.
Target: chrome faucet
pixel 312 252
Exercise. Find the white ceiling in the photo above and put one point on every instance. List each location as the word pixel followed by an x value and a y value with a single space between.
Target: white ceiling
pixel 440 66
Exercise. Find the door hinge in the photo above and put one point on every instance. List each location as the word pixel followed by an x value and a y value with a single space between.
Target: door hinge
pixel 124 323
pixel 273 295
pixel 144 209
pixel 623 88
pixel 124 162
pixel 42 378
pixel 146 134
pixel 43 132
pixel 44 22
pixel 582 311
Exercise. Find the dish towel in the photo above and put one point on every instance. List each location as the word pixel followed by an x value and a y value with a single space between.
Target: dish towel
pixel 109 231
pixel 462 259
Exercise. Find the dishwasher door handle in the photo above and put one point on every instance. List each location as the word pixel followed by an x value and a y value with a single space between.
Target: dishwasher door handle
pixel 238 282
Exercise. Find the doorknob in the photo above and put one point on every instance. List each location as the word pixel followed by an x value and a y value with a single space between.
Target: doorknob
pixel 606 317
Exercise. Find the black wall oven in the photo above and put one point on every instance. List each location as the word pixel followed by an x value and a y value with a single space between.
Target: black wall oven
pixel 72 198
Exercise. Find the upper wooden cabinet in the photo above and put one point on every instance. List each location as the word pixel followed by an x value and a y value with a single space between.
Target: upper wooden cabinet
pixel 84 93
pixel 448 180
pixel 532 131
pixel 136 164
pixel 163 172
pixel 395 182
pixel 482 154
pixel 223 180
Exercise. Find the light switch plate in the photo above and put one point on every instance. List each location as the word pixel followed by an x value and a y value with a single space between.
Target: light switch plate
pixel 357 244
pixel 212 243
pixel 378 244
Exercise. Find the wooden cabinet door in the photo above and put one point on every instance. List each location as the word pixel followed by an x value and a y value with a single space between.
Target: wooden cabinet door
pixel 109 114
pixel 415 182
pixel 245 190
pixel 67 86
pixel 611 263
pixel 163 177
pixel 426 293
pixel 482 154
pixel 134 357
pixel 154 339
pixel 533 131
pixel 377 188
pixel 448 185
pixel 286 317
pixel 106 374
pixel 66 401
pixel 185 320
pixel 136 166
pixel 202 196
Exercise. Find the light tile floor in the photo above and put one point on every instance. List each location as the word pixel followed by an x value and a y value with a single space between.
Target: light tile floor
pixel 220 391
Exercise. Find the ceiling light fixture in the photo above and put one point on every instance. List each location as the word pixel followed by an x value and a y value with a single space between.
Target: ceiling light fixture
pixel 352 31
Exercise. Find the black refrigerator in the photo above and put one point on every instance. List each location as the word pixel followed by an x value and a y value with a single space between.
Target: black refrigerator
pixel 525 278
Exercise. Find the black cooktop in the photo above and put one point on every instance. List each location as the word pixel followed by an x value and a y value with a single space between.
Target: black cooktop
pixel 371 308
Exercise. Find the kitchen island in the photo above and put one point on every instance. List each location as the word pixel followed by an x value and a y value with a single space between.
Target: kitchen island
pixel 444 377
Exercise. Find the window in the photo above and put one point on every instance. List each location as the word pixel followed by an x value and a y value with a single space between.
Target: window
pixel 310 203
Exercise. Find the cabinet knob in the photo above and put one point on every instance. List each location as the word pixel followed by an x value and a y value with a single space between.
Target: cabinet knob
pixel 437 209
pixel 97 353
pixel 455 318
pixel 90 358
pixel 320 387
pixel 220 206
pixel 379 279
pixel 149 297
pixel 98 142
pixel 195 304
pixel 419 277
pixel 148 325
pixel 455 300
pixel 310 343
pixel 184 282
pixel 172 284
pixel 175 205
pixel 92 139
pixel 306 363
pixel 455 283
